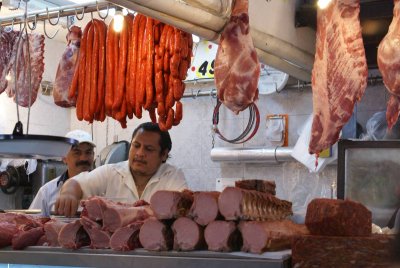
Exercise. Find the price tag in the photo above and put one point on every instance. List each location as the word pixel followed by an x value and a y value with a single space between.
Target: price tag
pixel 203 62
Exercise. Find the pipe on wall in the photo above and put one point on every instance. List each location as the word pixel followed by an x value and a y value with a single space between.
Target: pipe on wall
pixel 252 155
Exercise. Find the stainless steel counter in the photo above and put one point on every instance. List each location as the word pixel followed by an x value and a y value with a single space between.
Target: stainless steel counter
pixel 141 258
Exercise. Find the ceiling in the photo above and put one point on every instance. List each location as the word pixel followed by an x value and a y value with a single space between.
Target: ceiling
pixel 375 18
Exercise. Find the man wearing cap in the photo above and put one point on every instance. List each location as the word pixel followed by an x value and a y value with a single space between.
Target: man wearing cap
pixel 79 159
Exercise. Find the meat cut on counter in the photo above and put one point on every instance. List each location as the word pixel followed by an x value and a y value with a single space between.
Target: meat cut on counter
pixel 237 68
pixel 389 65
pixel 66 69
pixel 340 72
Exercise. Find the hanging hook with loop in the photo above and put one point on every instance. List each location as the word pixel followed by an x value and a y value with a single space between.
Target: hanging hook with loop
pixel 48 17
pixel 34 24
pixel 10 28
pixel 98 11
pixel 82 14
pixel 45 32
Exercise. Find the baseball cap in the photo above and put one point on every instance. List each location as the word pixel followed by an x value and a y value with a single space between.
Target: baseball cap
pixel 81 136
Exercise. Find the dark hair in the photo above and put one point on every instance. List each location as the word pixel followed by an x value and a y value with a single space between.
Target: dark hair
pixel 165 139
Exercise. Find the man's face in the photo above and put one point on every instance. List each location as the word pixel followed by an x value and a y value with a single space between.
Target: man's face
pixel 79 158
pixel 145 154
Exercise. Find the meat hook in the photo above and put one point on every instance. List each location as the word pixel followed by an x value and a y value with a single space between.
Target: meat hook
pixel 48 17
pixel 91 16
pixel 34 24
pixel 82 15
pixel 45 33
pixel 11 28
pixel 98 11
pixel 68 25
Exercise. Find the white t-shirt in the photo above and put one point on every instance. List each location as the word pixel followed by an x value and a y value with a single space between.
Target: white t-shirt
pixel 46 196
pixel 115 181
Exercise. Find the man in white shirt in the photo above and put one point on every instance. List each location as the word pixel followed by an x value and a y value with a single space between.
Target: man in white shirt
pixel 145 172
pixel 80 158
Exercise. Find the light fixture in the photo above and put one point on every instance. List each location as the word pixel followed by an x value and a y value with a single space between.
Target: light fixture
pixel 322 4
pixel 196 39
pixel 118 21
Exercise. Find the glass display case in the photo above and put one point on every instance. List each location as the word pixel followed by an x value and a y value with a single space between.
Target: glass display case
pixel 369 172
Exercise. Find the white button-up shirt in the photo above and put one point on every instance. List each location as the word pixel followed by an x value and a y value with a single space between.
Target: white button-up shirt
pixel 115 181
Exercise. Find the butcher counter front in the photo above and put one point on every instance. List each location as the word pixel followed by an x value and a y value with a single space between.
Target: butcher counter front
pixel 83 257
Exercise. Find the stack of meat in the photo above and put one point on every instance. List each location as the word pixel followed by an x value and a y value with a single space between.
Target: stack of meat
pixel 14 52
pixel 236 219
pixel 143 66
pixel 344 227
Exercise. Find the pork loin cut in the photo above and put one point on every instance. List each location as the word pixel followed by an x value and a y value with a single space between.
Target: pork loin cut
pixel 334 217
pixel 98 237
pixel 26 238
pixel 264 186
pixel 205 207
pixel 66 68
pixel 235 203
pixel 52 229
pixel 35 55
pixel 156 235
pixel 171 204
pixel 237 68
pixel 261 236
pixel 7 231
pixel 389 65
pixel 126 238
pixel 188 235
pixel 73 236
pixel 340 72
pixel 223 236
pixel 117 216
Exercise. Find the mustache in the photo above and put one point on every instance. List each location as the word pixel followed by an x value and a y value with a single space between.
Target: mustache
pixel 139 160
pixel 83 163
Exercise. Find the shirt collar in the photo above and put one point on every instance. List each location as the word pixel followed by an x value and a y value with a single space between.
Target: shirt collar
pixel 63 178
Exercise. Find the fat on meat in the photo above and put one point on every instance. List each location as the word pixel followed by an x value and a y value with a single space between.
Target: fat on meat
pixel 340 72
pixel 237 68
pixel 7 41
pixel 35 55
pixel 389 65
pixel 66 69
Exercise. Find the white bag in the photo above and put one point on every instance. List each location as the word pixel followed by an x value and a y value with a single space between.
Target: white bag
pixel 301 154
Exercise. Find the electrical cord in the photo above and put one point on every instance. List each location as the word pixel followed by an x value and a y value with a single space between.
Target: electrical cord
pixel 253 123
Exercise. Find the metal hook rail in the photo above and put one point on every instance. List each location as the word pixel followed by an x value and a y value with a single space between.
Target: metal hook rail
pixel 55 13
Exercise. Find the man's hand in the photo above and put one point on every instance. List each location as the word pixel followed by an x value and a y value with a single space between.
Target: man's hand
pixel 68 201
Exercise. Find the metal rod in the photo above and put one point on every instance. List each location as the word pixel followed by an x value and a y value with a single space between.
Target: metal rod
pixel 53 13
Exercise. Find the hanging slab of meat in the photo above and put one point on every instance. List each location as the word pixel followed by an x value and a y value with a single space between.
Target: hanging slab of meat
pixel 126 238
pixel 7 41
pixel 237 68
pixel 66 69
pixel 188 235
pixel 98 237
pixel 156 235
pixel 257 185
pixel 223 236
pixel 26 238
pixel 389 65
pixel 336 251
pixel 52 229
pixel 73 236
pixel 171 204
pixel 205 207
pixel 261 236
pixel 235 203
pixel 338 218
pixel 340 71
